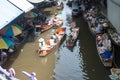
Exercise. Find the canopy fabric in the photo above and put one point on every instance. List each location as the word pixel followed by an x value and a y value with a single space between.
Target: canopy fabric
pixel 22 4
pixel 6 42
pixel 8 15
pixel 35 1
pixel 12 30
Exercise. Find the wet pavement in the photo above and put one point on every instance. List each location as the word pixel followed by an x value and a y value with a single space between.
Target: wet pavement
pixel 80 62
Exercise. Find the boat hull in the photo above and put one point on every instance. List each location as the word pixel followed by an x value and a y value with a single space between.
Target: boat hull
pixel 43 53
pixel 72 42
pixel 107 62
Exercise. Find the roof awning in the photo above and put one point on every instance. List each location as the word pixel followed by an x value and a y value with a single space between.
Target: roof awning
pixel 22 4
pixel 35 1
pixel 8 12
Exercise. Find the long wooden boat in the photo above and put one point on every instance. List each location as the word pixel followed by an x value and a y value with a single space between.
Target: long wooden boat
pixel 105 49
pixel 46 27
pixel 53 23
pixel 72 37
pixel 47 48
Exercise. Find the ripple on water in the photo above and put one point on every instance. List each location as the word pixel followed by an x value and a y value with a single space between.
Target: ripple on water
pixel 69 65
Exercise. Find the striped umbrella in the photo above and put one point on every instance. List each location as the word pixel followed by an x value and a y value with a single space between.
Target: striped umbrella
pixel 5 42
pixel 13 30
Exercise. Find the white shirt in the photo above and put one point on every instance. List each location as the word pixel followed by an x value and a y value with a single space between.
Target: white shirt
pixel 52 42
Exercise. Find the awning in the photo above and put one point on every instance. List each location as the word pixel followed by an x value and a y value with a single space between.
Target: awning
pixel 8 12
pixel 35 1
pixel 22 4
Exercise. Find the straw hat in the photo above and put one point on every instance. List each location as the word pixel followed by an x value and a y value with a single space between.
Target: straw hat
pixel 55 14
pixel 105 24
pixel 40 40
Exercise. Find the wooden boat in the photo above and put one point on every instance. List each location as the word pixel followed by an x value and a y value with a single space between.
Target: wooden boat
pixel 47 49
pixel 72 37
pixel 53 23
pixel 105 49
pixel 115 73
pixel 46 27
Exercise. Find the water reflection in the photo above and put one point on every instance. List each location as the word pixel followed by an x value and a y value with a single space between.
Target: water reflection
pixel 80 62
pixel 69 64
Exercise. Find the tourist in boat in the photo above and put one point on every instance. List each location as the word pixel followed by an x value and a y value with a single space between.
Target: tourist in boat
pixel 58 36
pixel 41 42
pixel 31 76
pixel 73 24
pixel 52 42
pixel 50 22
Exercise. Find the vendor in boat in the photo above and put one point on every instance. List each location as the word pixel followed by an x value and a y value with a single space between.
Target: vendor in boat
pixel 56 20
pixel 55 37
pixel 70 38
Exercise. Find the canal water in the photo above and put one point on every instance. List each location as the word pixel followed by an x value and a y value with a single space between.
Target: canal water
pixel 80 62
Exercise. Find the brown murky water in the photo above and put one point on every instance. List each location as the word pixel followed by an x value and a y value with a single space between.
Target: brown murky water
pixel 80 62
pixel 29 61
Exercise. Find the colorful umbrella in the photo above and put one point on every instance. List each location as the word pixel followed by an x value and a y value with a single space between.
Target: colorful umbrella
pixel 31 15
pixel 13 30
pixel 5 42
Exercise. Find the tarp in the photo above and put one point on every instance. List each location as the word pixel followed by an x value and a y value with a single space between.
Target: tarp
pixel 8 12
pixel 22 4
pixel 35 1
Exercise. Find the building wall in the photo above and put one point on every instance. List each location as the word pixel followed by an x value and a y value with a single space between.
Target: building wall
pixel 113 11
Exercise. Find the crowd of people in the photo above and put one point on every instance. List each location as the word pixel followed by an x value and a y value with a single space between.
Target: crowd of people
pixel 94 18
pixel 99 25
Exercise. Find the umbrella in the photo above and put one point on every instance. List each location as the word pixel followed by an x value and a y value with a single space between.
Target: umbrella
pixel 13 30
pixel 31 15
pixel 5 42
